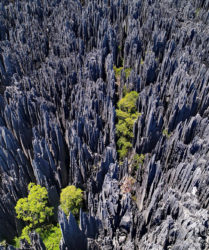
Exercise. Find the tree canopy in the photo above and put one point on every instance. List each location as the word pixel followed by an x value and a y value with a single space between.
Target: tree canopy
pixel 33 209
pixel 127 115
pixel 71 200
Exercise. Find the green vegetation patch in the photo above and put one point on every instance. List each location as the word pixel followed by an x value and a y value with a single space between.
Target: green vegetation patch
pixel 142 61
pixel 71 200
pixel 51 237
pixel 117 71
pixel 34 210
pixel 127 72
pixel 166 133
pixel 37 215
pixel 138 159
pixel 128 103
pixel 127 115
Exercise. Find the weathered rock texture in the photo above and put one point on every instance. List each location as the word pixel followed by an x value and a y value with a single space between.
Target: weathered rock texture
pixel 58 95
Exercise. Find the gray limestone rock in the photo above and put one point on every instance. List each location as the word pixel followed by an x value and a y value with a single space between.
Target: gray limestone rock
pixel 58 96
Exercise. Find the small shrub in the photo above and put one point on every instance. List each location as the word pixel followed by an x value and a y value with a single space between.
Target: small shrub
pixel 51 237
pixel 71 200
pixel 117 71
pixel 16 242
pixel 141 62
pixel 138 159
pixel 134 198
pixel 165 132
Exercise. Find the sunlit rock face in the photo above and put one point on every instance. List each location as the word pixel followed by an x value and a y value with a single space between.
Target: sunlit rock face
pixel 58 95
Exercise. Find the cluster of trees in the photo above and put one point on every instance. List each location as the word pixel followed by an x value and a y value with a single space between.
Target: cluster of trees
pixel 38 216
pixel 127 115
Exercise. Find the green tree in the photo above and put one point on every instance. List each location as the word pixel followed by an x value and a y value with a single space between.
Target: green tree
pixel 71 200
pixel 128 102
pixel 127 115
pixel 34 210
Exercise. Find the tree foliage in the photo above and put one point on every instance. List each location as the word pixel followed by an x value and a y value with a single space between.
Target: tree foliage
pixel 119 69
pixel 138 159
pixel 127 115
pixel 128 102
pixel 33 209
pixel 36 213
pixel 71 200
pixel 51 237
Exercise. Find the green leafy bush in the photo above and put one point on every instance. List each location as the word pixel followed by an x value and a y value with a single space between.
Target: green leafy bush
pixel 128 102
pixel 166 133
pixel 117 71
pixel 33 210
pixel 123 147
pixel 127 115
pixel 141 62
pixel 16 242
pixel 51 237
pixel 138 159
pixel 71 200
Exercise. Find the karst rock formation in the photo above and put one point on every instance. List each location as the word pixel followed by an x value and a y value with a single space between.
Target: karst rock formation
pixel 58 100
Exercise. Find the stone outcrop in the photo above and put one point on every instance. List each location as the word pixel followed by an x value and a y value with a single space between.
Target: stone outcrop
pixel 58 95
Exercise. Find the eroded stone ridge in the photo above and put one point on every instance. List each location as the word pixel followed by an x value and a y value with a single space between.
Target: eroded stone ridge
pixel 58 96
